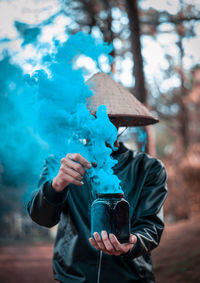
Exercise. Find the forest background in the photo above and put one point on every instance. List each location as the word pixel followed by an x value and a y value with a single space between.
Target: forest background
pixel 155 55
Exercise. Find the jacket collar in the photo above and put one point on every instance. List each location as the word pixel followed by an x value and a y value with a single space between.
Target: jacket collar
pixel 122 154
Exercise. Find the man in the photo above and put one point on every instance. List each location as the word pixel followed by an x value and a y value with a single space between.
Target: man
pixel 66 199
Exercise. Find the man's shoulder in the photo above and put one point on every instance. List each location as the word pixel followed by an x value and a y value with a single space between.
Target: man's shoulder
pixel 146 160
pixel 151 168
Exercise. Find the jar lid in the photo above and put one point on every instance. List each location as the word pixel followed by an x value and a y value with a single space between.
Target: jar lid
pixel 110 195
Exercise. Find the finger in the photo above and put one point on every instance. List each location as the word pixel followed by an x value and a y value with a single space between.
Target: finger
pixel 69 179
pixel 71 172
pixel 99 241
pixel 120 248
pixel 132 239
pixel 93 243
pixel 73 165
pixel 126 247
pixel 107 243
pixel 78 157
pixel 115 242
pixel 132 242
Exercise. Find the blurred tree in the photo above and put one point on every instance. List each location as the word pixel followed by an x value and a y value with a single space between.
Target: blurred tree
pixel 134 25
pixel 192 102
pixel 175 112
pixel 91 15
pixel 138 71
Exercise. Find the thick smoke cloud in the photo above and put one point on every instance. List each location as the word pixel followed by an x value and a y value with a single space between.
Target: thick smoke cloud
pixel 48 115
pixel 21 150
pixel 64 120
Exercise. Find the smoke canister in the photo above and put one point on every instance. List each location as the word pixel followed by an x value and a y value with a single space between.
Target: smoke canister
pixel 110 212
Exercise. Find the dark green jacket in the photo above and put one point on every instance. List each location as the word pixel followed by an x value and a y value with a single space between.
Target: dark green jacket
pixel 143 180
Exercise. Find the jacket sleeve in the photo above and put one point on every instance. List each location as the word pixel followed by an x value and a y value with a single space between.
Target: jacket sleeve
pixel 46 204
pixel 148 222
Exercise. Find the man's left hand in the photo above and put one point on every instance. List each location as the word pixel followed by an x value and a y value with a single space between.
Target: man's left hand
pixel 110 245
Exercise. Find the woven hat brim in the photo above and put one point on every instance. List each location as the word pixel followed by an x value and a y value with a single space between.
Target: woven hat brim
pixel 132 121
pixel 120 103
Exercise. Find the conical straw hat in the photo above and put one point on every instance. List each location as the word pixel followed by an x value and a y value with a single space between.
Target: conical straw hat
pixel 121 105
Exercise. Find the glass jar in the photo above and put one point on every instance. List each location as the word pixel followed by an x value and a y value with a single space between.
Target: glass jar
pixel 110 212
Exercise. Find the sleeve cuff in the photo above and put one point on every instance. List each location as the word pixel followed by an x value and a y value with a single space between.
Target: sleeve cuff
pixel 51 195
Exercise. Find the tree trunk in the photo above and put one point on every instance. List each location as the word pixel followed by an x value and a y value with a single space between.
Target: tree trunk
pixel 134 25
pixel 183 113
pixel 139 89
pixel 107 31
pixel 90 10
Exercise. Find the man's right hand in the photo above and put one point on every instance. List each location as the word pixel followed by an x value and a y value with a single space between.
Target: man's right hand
pixel 72 170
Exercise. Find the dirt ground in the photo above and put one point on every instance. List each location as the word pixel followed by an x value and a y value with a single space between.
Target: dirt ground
pixel 176 260
pixel 178 257
pixel 26 264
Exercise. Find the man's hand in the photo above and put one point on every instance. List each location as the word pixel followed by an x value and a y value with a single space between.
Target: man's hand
pixel 72 170
pixel 110 245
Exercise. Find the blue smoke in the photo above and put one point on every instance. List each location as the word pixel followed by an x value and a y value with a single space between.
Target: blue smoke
pixel 61 117
pixel 21 150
